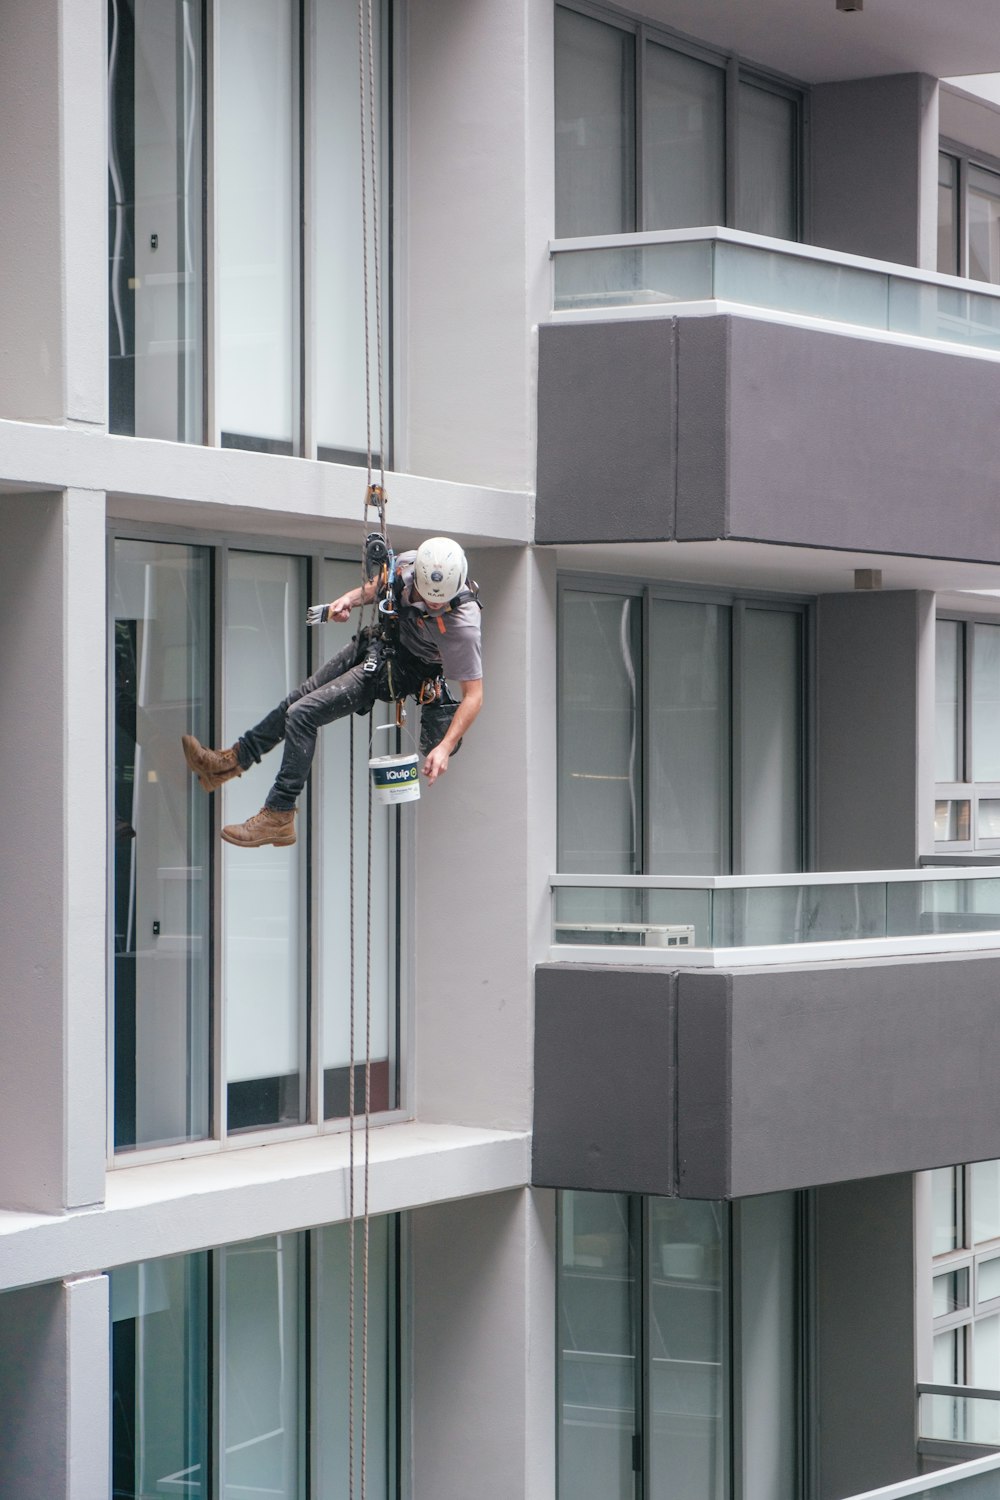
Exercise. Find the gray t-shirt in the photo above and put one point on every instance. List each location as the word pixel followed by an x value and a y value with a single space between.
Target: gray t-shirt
pixel 454 637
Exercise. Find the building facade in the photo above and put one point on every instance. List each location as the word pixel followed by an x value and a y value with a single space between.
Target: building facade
pixel 672 1007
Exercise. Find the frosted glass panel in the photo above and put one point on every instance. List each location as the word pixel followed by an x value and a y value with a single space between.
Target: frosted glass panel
pixel 986 703
pixel 330 1477
pixel 162 894
pixel 262 1411
pixel 256 178
pixel 772 741
pixel 765 199
pixel 594 145
pixel 599 750
pixel 683 146
pixel 768 1337
pixel 688 753
pixel 155 176
pixel 597 1376
pixel 339 343
pixel 687 1438
pixel 985 1201
pixel 264 916
pixel 948 701
pixel 334 927
pixel 159 1374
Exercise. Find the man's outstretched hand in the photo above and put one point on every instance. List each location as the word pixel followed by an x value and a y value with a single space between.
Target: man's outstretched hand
pixel 435 762
pixel 319 614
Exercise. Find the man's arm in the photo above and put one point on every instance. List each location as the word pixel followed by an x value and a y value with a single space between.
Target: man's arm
pixel 341 608
pixel 465 714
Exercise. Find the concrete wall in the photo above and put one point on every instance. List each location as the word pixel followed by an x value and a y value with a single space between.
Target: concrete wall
pixel 864 1335
pixel 873 168
pixel 53 234
pixel 52 754
pixel 483 1377
pixel 54 1391
pixel 486 847
pixel 738 427
pixel 775 1078
pixel 874 691
pixel 475 222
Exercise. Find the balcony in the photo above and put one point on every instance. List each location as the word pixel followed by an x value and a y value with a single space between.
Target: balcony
pixel 720 270
pixel 717 1037
pixel 710 385
pixel 733 921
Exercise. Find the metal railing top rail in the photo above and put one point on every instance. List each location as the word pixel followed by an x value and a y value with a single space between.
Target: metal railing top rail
pixel 710 232
pixel 968 1392
pixel 935 873
pixel 954 1476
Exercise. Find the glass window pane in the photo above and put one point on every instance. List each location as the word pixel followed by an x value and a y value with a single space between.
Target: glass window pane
pixel 949 1357
pixel 988 818
pixel 983 209
pixel 772 713
pixel 689 722
pixel 768 1343
pixel 265 908
pixel 331 1396
pixel 950 1292
pixel 947 1210
pixel 684 141
pixel 986 1352
pixel 985 1201
pixel 256 178
pixel 949 701
pixel 766 197
pixel 952 821
pixel 989 1279
pixel 597 1393
pixel 159 1374
pixel 595 131
pixel 334 926
pixel 947 252
pixel 261 1411
pixel 986 703
pixel 599 748
pixel 338 328
pixel 162 637
pixel 155 185
pixel 687 1440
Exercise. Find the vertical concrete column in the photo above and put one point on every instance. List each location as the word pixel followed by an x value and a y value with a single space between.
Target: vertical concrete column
pixel 54 1391
pixel 52 918
pixel 485 849
pixel 873 179
pixel 874 713
pixel 483 1321
pixel 53 231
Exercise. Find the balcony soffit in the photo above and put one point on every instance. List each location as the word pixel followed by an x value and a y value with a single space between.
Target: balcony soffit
pixel 812 41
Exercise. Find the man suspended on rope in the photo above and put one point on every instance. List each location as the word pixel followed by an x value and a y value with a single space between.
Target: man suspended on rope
pixel 427 629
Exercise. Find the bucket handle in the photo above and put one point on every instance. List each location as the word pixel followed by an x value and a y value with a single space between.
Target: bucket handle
pixel 392 725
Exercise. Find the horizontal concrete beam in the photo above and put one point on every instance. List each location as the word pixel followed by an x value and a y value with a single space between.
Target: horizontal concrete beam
pixel 174 1207
pixel 272 494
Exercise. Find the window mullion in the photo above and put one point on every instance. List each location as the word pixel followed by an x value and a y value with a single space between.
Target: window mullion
pixel 639 1230
pixel 730 139
pixel 640 133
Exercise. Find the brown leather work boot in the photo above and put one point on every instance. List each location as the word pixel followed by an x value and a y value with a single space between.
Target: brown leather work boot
pixel 212 767
pixel 266 827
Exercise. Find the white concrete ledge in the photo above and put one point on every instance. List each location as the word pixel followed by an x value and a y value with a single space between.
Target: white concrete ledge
pixel 173 1207
pixel 270 494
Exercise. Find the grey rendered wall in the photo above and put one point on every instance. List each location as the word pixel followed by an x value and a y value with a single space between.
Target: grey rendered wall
pixel 871 176
pixel 770 1079
pixel 874 729
pixel 484 1379
pixel 52 875
pixel 604 1079
pixel 865 1359
pixel 718 427
pixel 54 1384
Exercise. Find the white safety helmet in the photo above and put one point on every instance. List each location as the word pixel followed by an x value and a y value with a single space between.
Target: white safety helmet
pixel 440 569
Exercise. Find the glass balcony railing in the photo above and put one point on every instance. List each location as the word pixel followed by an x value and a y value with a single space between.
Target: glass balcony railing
pixel 958 1414
pixel 979 1480
pixel 715 919
pixel 730 267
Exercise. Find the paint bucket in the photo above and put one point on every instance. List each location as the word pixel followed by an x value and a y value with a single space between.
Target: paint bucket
pixel 395 778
